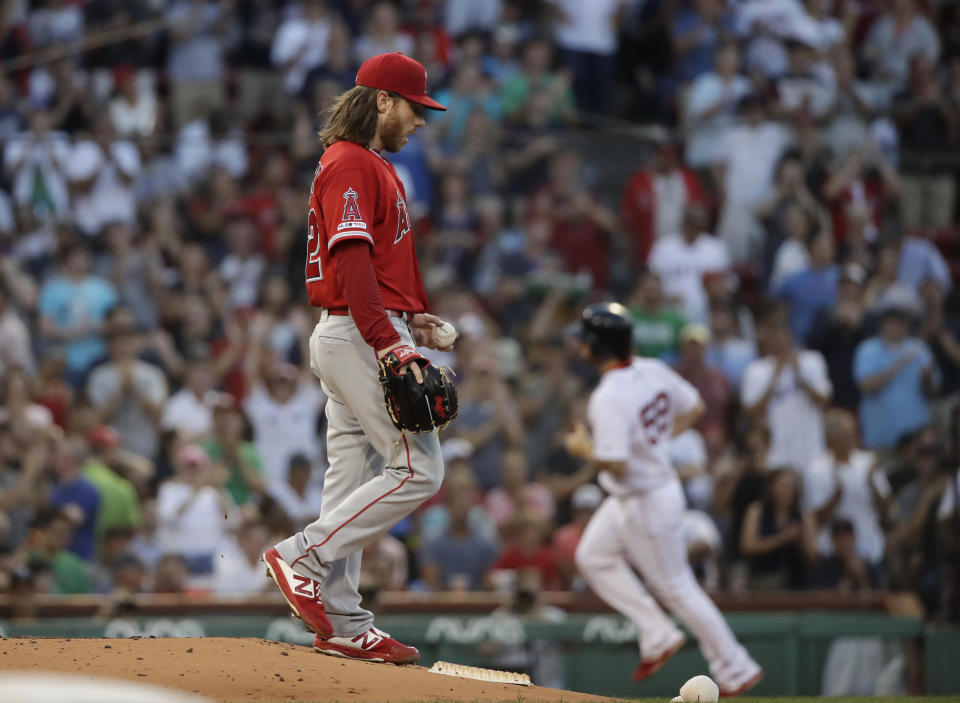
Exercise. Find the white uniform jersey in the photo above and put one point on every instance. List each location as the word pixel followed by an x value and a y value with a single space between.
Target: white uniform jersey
pixel 631 415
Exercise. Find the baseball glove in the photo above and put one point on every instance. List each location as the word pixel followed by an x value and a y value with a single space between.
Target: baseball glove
pixel 416 407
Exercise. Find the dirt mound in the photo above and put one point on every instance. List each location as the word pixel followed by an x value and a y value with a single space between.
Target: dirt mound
pixel 240 670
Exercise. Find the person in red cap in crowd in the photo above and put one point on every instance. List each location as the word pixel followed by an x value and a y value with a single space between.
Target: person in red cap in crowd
pixel 362 272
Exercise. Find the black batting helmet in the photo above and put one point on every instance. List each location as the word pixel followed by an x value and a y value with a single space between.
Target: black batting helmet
pixel 608 329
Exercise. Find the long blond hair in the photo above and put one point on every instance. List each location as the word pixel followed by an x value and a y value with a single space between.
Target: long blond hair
pixel 353 117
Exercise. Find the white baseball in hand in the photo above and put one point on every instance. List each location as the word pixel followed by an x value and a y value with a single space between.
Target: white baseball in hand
pixel 446 334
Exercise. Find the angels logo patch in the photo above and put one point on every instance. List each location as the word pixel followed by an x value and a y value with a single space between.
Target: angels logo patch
pixel 403 220
pixel 351 211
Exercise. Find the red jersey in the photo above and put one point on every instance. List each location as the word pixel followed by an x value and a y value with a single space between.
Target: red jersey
pixel 356 194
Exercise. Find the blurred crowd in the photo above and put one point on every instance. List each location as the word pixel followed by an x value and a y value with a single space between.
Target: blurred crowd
pixel 769 185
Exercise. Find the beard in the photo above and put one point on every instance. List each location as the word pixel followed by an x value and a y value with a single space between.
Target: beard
pixel 392 134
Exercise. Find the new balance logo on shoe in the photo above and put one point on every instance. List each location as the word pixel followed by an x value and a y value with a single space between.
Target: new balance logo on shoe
pixel 368 640
pixel 306 587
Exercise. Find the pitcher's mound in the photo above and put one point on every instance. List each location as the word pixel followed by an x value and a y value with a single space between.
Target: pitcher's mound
pixel 240 670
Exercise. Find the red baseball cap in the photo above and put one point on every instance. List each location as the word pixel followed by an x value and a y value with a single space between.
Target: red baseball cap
pixel 398 74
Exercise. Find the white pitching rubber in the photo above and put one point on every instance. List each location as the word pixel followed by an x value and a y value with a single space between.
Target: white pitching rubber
pixel 473 672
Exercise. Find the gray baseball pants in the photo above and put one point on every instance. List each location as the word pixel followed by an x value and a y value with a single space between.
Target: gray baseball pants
pixel 376 476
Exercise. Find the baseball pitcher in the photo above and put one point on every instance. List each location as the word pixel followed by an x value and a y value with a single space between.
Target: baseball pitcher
pixel 638 406
pixel 362 272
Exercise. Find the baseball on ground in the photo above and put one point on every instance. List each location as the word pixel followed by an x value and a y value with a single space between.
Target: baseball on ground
pixel 446 334
pixel 699 689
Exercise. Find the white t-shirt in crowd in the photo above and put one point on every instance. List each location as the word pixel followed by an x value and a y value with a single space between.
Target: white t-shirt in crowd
pixel 187 414
pixel 590 25
pixel 200 528
pixel 856 504
pixel 631 415
pixel 111 199
pixel 302 510
pixel 281 431
pixel 751 155
pixel 305 44
pixel 796 423
pixel 681 267
pixel 706 91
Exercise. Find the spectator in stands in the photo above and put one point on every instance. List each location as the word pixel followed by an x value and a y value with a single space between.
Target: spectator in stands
pixel 458 558
pixel 836 332
pixel 788 215
pixel 133 110
pixel 194 512
pixel 119 507
pixel 860 186
pixel 729 350
pixel 527 550
pixel 697 30
pixel 385 566
pixel 683 258
pixel 382 34
pixel 582 228
pixel 654 200
pixel 189 411
pixel 36 162
pixel 584 502
pixel 242 267
pixel 748 155
pixel 709 380
pixel 195 65
pixel 788 388
pixel 927 125
pixel 171 575
pixel 895 372
pixel 811 289
pixel 777 538
pixel 284 407
pixel 129 393
pixel 488 420
pixel 517 494
pixel 941 333
pixel 238 569
pixel 845 569
pixel 300 44
pixel 15 339
pixel 845 484
pixel 298 496
pixel 102 170
pixel 587 37
pixel 469 91
pixel 76 496
pixel 521 90
pixel 73 305
pixel 134 269
pixel 740 478
pixel 656 325
pixel 711 106
pixel 896 37
pixel 50 534
pixel 227 447
pixel 919 259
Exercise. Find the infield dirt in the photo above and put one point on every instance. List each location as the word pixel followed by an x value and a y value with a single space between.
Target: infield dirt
pixel 236 670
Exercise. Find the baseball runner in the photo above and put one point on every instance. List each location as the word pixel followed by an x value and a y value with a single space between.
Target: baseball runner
pixel 362 271
pixel 637 407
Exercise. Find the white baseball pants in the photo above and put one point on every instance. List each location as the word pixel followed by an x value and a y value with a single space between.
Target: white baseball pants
pixel 376 476
pixel 644 530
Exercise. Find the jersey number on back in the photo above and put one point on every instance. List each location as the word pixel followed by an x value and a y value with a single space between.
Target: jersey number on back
pixel 314 269
pixel 655 418
pixel 403 220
